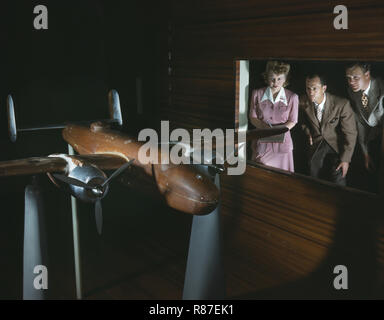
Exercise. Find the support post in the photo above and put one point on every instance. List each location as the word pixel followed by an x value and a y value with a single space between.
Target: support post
pixel 76 240
pixel 204 276
pixel 35 258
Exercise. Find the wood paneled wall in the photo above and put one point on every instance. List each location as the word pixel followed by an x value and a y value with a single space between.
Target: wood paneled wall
pixel 283 232
pixel 284 228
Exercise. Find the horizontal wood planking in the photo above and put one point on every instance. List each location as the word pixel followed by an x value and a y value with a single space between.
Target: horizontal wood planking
pixel 266 227
pixel 269 255
pixel 304 36
pixel 203 11
pixel 188 121
pixel 311 213
pixel 203 87
pixel 200 103
pixel 213 113
pixel 195 67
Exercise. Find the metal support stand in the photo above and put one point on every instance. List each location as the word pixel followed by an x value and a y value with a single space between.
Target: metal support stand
pixel 204 276
pixel 35 258
pixel 76 240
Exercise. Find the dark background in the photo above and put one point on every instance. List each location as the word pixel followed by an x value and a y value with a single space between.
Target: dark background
pixel 63 74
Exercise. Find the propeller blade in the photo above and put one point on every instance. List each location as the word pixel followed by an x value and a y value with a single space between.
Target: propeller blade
pixel 72 181
pixel 117 172
pixel 99 216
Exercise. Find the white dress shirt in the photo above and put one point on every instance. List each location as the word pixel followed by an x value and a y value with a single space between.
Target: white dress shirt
pixel 366 91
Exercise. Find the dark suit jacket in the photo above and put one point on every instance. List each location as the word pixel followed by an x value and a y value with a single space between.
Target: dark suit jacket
pixel 337 127
pixel 368 125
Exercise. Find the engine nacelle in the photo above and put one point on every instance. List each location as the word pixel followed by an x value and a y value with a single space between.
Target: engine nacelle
pixel 84 173
pixel 92 176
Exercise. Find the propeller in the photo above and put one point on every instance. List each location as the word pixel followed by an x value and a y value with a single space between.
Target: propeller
pixel 117 172
pixel 72 181
pixel 96 189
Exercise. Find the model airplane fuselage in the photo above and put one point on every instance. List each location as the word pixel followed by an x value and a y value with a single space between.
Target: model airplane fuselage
pixel 182 186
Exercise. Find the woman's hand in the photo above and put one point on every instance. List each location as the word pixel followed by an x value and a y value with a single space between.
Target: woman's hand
pixel 290 124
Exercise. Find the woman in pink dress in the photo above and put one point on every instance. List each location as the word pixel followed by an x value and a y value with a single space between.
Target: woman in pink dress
pixel 274 106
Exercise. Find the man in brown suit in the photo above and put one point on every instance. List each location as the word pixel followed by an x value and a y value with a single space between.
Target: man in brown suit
pixel 366 94
pixel 330 125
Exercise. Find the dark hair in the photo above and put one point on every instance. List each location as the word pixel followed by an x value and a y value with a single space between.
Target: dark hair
pixel 365 67
pixel 313 75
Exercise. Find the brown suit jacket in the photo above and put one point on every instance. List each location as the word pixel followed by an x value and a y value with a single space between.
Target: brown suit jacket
pixel 369 126
pixel 337 127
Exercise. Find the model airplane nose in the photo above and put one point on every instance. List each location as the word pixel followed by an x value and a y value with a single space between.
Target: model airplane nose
pixel 187 189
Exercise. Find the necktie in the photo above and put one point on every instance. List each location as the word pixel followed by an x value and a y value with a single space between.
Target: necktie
pixel 364 100
pixel 319 112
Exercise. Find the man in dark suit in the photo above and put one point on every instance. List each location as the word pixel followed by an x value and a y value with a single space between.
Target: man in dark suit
pixel 329 123
pixel 366 94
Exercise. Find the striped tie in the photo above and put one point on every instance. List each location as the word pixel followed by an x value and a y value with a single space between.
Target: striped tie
pixel 319 112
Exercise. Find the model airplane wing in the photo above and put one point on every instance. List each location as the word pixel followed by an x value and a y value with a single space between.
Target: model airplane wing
pixel 36 165
pixel 83 176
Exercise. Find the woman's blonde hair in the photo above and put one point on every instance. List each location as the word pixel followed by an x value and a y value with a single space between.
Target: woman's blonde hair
pixel 277 67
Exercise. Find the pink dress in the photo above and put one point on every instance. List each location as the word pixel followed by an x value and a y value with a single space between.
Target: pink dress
pixel 274 154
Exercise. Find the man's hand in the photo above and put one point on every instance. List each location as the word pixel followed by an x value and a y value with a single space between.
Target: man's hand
pixel 344 167
pixel 368 163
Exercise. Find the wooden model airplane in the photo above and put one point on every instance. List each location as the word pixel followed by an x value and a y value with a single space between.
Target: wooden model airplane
pixel 182 187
